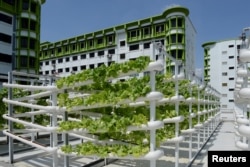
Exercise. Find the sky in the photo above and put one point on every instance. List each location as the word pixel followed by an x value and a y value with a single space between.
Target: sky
pixel 214 20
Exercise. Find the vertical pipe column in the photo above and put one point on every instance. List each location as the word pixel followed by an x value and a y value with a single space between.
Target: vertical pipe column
pixel 190 124
pixel 10 123
pixel 54 140
pixel 32 117
pixel 198 133
pixel 65 140
pixel 204 117
pixel 152 118
pixel 177 112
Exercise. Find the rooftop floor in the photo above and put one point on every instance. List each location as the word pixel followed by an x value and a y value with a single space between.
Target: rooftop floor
pixel 223 138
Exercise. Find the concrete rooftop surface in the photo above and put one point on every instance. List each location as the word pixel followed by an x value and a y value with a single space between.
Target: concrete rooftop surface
pixel 223 138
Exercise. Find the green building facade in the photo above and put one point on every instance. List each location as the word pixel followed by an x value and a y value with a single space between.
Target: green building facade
pixel 20 30
pixel 172 27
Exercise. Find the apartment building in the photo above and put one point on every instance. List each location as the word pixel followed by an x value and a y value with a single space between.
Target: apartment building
pixel 220 66
pixel 19 36
pixel 120 43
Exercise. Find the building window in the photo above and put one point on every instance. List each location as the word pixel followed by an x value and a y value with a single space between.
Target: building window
pixel 91 55
pixel 146 45
pixel 83 67
pixel 25 5
pixel 46 72
pixel 24 42
pixel 110 39
pixel 100 64
pixel 224 52
pixel 231 57
pixel 74 58
pixel 82 45
pixel 146 31
pixel 224 63
pixel 83 56
pixel 33 25
pixel 91 43
pixel 23 61
pixel 230 68
pixel 224 95
pixel 60 60
pixel 173 22
pixel 238 47
pixel 10 2
pixel 173 38
pixel 73 46
pixel 33 7
pixel 67 69
pixel 5 38
pixel 231 78
pixel 230 46
pixel 67 59
pixel 100 53
pixel 133 33
pixel 32 43
pixel 5 18
pixel 111 51
pixel 134 47
pixel 100 41
pixel 47 63
pixel 32 62
pixel 180 38
pixel 224 74
pixel 231 89
pixel 111 62
pixel 122 43
pixel 91 66
pixel 159 28
pixel 66 48
pixel 122 56
pixel 24 23
pixel 74 68
pixel 180 22
pixel 59 50
pixel 5 58
pixel 60 70
pixel 231 100
pixel 224 84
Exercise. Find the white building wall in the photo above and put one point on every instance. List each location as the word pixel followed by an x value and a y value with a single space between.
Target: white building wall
pixel 190 45
pixel 223 66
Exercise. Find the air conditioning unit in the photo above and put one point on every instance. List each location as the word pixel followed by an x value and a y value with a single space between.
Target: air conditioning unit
pixel 109 56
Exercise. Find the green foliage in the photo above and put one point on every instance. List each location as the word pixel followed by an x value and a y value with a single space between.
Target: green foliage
pixel 104 150
pixel 104 73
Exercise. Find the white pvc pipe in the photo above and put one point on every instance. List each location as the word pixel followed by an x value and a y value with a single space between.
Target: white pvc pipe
pixel 34 96
pixel 47 129
pixel 30 87
pixel 47 149
pixel 32 113
pixel 39 107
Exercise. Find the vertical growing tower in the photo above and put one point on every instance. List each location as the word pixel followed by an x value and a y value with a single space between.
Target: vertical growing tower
pixel 19 35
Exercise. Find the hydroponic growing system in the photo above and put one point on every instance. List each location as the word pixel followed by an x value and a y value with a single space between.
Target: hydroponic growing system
pixel 242 95
pixel 119 120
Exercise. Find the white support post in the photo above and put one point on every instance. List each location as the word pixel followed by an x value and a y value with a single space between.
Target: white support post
pixel 177 113
pixel 190 125
pixel 152 118
pixel 10 123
